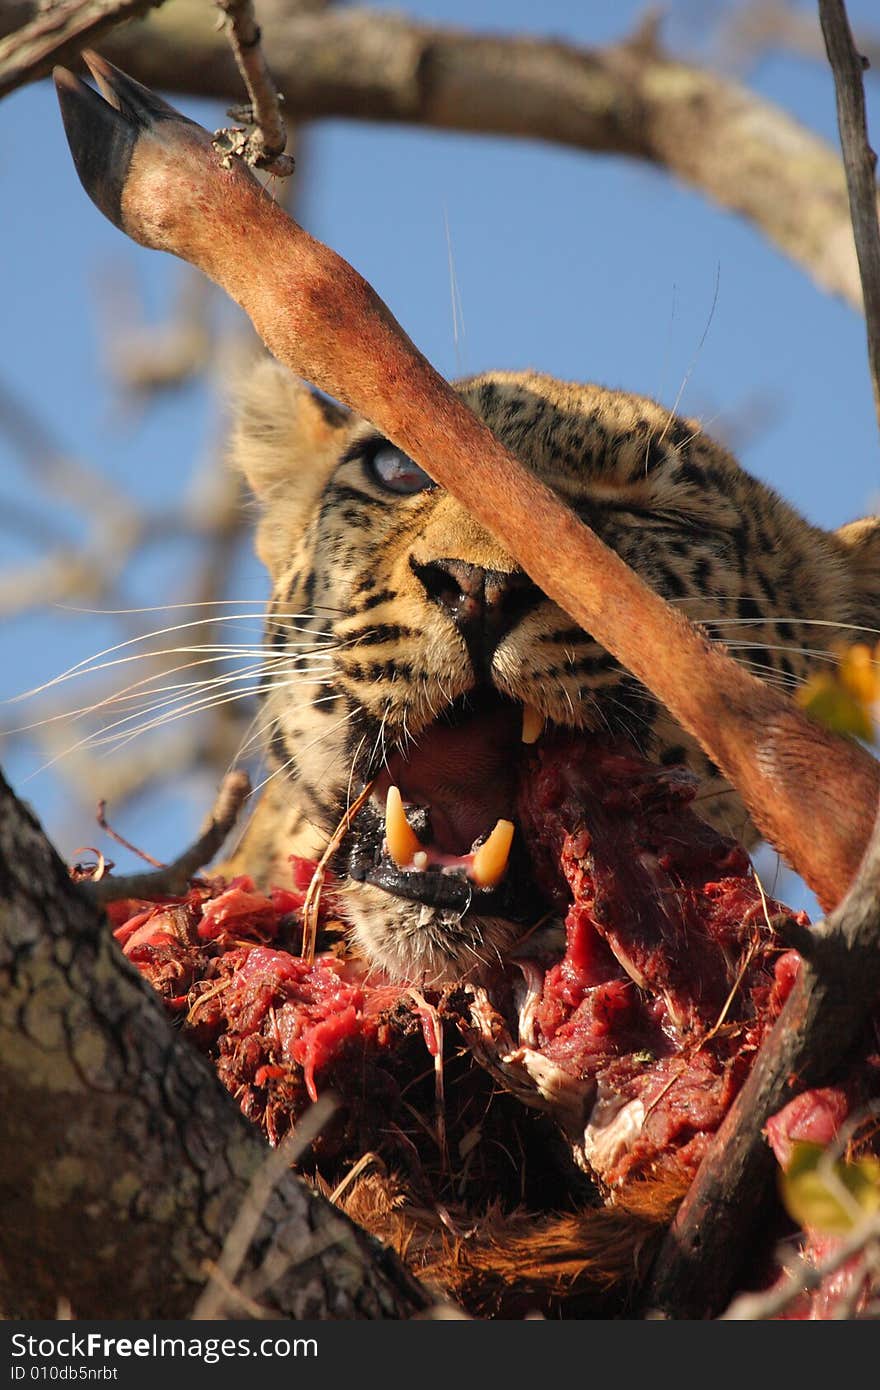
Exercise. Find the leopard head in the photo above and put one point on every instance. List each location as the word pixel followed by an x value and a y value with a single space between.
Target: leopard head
pixel 407 651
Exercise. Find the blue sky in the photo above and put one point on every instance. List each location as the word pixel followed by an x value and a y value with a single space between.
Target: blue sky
pixel 581 266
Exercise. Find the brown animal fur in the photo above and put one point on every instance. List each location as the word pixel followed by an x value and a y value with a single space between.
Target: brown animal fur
pixel 501 1265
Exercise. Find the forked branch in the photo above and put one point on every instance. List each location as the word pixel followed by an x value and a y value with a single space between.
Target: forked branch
pixel 174 878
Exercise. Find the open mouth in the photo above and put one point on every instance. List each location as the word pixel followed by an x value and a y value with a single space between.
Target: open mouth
pixel 440 827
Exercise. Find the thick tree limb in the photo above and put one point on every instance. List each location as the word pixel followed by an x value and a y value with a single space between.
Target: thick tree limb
pixel 860 163
pixel 62 29
pixel 125 1163
pixel 824 1015
pixel 630 99
pixel 161 182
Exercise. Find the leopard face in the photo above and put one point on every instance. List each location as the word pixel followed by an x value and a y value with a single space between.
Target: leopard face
pixel 406 648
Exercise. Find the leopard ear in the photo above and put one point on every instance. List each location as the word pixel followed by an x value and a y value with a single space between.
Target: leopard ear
pixel 285 439
pixel 862 543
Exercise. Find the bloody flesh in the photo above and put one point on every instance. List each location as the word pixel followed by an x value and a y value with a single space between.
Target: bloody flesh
pixel 638 1034
pixel 672 973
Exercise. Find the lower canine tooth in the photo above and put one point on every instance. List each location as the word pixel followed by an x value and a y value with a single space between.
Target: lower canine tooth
pixel 532 724
pixel 490 860
pixel 402 841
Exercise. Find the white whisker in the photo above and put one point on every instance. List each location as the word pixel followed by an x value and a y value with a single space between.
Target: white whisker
pixel 86 666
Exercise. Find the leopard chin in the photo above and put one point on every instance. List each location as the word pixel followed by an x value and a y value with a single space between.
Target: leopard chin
pixel 421 944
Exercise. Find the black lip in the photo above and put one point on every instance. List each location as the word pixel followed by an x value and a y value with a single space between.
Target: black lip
pixel 362 858
pixel 514 899
pixel 432 888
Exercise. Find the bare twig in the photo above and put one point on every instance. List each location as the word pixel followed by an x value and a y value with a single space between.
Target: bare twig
pixel 312 902
pixel 263 148
pixel 860 163
pixel 175 877
pixel 101 817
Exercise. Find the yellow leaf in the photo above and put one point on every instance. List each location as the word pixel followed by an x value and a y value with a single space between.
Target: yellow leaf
pixel 829 1197
pixel 827 700
pixel 859 673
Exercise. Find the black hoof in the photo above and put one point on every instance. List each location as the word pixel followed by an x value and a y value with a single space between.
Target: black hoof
pixel 102 133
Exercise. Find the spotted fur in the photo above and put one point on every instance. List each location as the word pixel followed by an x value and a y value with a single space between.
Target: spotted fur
pixel 362 660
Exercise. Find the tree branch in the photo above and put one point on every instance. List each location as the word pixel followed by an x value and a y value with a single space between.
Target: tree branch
pixel 264 147
pixel 49 33
pixel 860 163
pixel 631 99
pixel 174 878
pixel 125 1163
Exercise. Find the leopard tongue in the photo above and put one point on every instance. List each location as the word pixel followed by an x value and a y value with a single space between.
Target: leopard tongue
pixel 465 775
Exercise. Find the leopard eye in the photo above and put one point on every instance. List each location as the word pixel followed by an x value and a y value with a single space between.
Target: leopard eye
pixel 396 471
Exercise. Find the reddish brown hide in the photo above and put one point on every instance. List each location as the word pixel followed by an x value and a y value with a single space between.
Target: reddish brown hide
pixel 158 177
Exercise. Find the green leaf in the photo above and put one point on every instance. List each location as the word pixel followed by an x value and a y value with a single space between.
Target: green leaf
pixel 811 1189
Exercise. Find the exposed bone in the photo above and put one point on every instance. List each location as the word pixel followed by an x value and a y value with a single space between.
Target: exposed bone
pixel 812 793
pixel 490 860
pixel 615 1125
pixel 402 841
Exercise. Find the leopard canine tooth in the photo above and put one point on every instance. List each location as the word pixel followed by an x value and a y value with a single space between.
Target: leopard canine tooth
pixel 532 724
pixel 403 842
pixel 490 860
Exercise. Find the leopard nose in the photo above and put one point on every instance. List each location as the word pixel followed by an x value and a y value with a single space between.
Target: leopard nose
pixel 484 604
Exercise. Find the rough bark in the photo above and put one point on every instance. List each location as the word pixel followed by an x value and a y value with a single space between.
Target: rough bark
pixel 37 33
pixel 124 1163
pixel 630 99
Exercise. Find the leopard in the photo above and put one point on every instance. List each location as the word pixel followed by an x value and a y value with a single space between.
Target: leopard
pixel 409 660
